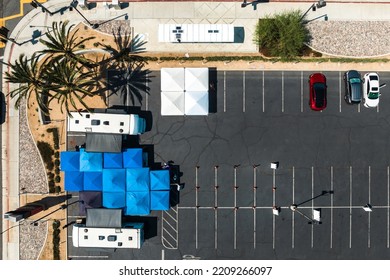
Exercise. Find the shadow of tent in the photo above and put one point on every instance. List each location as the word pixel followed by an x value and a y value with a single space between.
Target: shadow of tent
pixel 213 86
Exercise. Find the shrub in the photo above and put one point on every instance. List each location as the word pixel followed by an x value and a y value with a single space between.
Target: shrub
pixel 56 240
pixel 57 162
pixel 57 171
pixel 57 179
pixel 50 176
pixel 57 189
pixel 284 35
pixel 57 154
pixel 46 152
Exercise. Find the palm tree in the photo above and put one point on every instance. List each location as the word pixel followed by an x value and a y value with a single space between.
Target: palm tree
pixel 32 78
pixel 71 83
pixel 62 44
pixel 130 83
pixel 126 50
pixel 131 77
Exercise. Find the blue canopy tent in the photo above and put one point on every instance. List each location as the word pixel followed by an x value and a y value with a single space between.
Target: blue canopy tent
pixel 74 181
pixel 114 199
pixel 93 181
pixel 114 180
pixel 90 161
pixel 159 200
pixel 113 160
pixel 159 180
pixel 70 161
pixel 132 158
pixel 137 203
pixel 137 179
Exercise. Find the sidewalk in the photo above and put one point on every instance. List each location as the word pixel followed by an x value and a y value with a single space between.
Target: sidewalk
pixel 144 19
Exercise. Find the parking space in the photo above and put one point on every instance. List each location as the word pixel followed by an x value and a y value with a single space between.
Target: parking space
pixel 334 160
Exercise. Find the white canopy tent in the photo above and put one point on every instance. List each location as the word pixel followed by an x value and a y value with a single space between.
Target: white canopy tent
pixel 196 103
pixel 184 91
pixel 172 103
pixel 196 79
pixel 172 79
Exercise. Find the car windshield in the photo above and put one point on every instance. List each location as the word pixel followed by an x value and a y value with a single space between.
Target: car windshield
pixel 319 90
pixel 373 95
pixel 374 78
pixel 355 81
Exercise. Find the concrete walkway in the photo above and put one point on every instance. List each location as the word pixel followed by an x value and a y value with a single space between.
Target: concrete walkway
pixel 144 18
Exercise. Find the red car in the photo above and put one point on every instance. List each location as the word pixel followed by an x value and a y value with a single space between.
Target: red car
pixel 317 85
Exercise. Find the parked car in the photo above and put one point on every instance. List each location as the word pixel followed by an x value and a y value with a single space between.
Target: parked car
pixel 353 87
pixel 318 89
pixel 371 90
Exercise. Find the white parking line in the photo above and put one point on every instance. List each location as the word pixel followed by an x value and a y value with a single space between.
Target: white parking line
pixel 292 212
pixel 301 93
pixel 235 208
pixel 215 207
pixel 331 207
pixel 224 91
pixel 350 207
pixel 369 214
pixel 254 205
pixel 243 91
pixel 196 204
pixel 312 205
pixel 377 108
pixel 340 91
pixel 263 92
pixel 358 108
pixel 273 203
pixel 162 255
pixel 147 95
pixel 282 91
pixel 388 206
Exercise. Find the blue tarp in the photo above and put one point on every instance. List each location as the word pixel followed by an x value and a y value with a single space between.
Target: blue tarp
pixel 132 158
pixel 137 203
pixel 90 161
pixel 70 161
pixel 137 179
pixel 93 181
pixel 114 180
pixel 159 180
pixel 74 181
pixel 113 160
pixel 159 200
pixel 114 199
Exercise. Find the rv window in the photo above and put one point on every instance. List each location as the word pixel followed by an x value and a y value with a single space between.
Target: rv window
pixel 95 122
pixel 106 123
pixel 121 123
pixel 111 238
pixel 85 236
pixel 119 244
pixel 76 121
pixel 130 238
pixel 87 116
pixel 101 237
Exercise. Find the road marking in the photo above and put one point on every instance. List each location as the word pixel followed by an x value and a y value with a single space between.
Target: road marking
pixel 292 212
pixel 235 208
pixel 377 108
pixel 254 205
pixel 147 95
pixel 282 91
pixel 197 205
pixel 301 93
pixel 340 91
pixel 369 201
pixel 312 205
pixel 224 91
pixel 331 207
pixel 359 108
pixel 243 92
pixel 388 206
pixel 215 207
pixel 162 255
pixel 263 93
pixel 350 207
pixel 273 200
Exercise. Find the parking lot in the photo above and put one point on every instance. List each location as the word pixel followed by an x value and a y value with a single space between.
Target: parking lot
pixel 225 209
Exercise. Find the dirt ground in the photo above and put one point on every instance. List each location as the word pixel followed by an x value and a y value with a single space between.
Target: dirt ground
pixel 58 117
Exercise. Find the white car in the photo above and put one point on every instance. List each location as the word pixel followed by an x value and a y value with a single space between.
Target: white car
pixel 371 90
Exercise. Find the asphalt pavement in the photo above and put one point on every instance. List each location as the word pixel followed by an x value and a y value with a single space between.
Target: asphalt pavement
pixel 252 125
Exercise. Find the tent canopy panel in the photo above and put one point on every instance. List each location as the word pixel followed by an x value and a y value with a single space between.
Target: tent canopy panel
pixel 172 79
pixel 105 218
pixel 196 79
pixel 172 103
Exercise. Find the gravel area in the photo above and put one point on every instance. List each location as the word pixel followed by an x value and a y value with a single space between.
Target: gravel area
pixel 32 179
pixel 350 39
